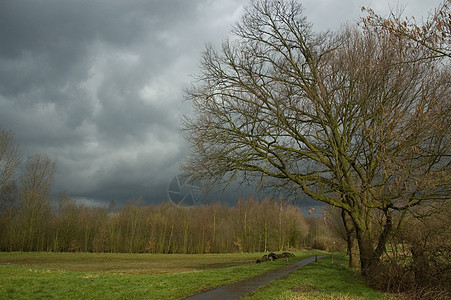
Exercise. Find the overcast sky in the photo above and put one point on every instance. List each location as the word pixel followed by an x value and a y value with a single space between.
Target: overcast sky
pixel 98 85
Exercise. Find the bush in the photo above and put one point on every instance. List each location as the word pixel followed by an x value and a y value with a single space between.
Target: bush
pixel 419 260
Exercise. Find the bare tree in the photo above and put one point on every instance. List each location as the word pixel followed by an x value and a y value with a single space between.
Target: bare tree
pixel 9 158
pixel 67 225
pixel 35 208
pixel 39 175
pixel 347 118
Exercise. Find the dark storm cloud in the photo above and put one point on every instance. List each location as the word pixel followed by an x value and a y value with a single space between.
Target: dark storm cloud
pixel 98 85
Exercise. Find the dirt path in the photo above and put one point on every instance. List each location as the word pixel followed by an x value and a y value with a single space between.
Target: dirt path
pixel 241 288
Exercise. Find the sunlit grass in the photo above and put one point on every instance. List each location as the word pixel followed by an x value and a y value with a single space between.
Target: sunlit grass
pixel 325 279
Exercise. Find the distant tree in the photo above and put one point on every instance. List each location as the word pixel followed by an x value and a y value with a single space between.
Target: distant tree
pixel 9 160
pixel 8 216
pixel 293 228
pixel 351 119
pixel 91 220
pixel 132 220
pixel 39 175
pixel 67 235
pixel 34 208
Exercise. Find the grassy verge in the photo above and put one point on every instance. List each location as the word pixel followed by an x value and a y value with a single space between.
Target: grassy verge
pixel 324 279
pixel 121 276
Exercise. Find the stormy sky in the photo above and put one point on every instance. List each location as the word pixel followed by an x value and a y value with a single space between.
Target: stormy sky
pixel 98 85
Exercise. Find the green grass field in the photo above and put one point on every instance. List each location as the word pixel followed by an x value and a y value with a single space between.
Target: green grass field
pixel 170 276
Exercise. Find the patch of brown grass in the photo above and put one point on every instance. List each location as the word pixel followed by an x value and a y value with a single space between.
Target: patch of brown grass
pixel 126 263
pixel 324 297
pixel 314 294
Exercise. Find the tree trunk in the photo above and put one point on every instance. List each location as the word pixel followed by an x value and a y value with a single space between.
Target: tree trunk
pixel 351 239
pixel 367 259
pixel 370 255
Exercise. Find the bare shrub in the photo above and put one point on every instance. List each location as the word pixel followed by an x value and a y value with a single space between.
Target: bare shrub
pixel 419 261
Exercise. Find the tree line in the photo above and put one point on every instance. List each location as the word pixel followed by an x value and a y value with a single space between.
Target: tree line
pixel 248 226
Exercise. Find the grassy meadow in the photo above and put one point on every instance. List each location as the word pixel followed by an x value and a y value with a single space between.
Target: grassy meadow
pixel 167 276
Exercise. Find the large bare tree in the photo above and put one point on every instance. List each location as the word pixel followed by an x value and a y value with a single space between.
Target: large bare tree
pixel 354 119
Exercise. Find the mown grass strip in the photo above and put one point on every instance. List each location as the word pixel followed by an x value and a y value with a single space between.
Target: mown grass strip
pixel 325 279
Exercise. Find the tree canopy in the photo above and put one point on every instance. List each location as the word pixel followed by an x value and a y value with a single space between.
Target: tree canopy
pixel 433 34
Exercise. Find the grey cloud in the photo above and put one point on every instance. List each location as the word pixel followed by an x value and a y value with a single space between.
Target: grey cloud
pixel 98 86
